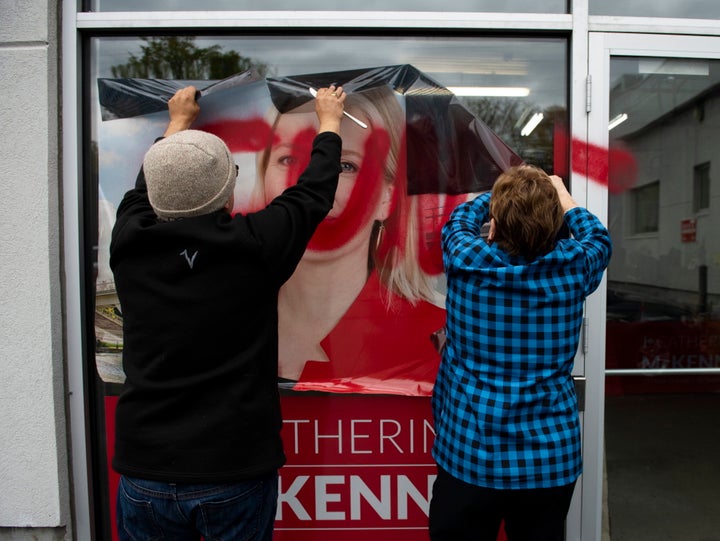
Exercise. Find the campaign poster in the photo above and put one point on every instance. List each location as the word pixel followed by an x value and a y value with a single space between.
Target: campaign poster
pixel 361 318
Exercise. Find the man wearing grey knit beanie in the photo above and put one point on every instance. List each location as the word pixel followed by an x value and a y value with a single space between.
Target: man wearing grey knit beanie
pixel 197 439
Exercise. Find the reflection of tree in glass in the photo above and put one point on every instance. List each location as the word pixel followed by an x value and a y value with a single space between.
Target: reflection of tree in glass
pixel 506 117
pixel 501 115
pixel 178 57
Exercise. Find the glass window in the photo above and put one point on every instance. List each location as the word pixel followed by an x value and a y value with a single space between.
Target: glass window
pixel 505 82
pixel 669 86
pixel 665 121
pixel 645 203
pixel 689 9
pixel 516 86
pixel 701 187
pixel 508 6
pixel 662 349
pixel 663 287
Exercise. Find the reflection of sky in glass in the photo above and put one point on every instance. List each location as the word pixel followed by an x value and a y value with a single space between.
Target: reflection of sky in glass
pixel 646 89
pixel 534 63
pixel 506 6
pixel 692 9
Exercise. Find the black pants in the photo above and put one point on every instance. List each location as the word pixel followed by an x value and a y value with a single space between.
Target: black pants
pixel 463 512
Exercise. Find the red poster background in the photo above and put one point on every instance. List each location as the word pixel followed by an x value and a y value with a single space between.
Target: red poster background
pixel 359 468
pixel 665 345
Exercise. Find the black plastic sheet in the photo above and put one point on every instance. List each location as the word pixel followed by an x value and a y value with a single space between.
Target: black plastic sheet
pixel 448 149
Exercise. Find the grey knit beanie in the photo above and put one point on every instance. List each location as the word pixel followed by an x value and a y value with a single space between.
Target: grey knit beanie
pixel 188 174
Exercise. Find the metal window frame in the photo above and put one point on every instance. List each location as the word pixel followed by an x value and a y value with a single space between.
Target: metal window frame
pixel 701 187
pixel 294 20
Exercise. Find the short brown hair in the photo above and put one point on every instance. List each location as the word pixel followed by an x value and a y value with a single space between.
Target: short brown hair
pixel 527 211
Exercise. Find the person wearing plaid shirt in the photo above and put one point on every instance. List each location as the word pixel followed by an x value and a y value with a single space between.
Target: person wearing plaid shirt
pixel 506 417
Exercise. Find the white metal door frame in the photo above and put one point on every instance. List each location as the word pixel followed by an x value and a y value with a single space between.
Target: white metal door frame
pixel 601 47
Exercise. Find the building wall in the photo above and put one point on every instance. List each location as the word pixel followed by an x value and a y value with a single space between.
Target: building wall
pixel 662 263
pixel 33 447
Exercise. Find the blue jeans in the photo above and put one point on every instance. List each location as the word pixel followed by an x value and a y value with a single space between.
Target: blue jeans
pixel 153 510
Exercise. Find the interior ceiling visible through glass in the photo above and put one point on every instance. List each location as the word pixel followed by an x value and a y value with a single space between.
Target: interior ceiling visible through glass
pixel 646 90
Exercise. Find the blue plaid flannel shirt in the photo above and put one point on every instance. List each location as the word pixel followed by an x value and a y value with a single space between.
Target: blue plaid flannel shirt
pixel 506 415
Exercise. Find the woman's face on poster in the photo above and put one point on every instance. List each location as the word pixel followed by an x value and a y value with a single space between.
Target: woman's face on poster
pixel 358 199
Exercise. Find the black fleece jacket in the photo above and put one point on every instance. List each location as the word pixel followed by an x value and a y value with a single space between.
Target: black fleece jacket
pixel 199 301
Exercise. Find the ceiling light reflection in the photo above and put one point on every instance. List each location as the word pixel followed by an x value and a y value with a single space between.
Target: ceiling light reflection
pixel 496 91
pixel 615 122
pixel 532 124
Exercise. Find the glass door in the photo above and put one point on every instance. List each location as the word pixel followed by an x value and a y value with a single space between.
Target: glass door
pixel 655 125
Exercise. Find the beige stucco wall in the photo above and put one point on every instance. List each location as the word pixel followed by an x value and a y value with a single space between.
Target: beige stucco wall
pixel 33 444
